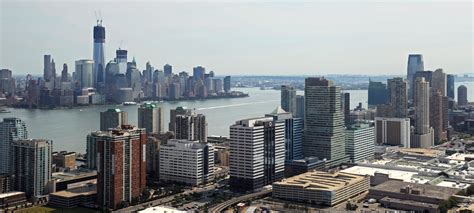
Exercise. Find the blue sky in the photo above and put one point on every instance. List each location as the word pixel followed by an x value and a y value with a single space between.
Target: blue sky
pixel 237 37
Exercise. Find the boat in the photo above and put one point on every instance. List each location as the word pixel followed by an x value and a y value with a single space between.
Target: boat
pixel 129 103
pixel 4 111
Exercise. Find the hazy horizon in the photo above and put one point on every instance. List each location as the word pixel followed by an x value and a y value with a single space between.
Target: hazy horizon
pixel 244 38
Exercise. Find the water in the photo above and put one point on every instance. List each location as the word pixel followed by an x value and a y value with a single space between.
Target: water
pixel 68 128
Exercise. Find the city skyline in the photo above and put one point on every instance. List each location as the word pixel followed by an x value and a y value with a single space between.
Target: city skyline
pixel 247 38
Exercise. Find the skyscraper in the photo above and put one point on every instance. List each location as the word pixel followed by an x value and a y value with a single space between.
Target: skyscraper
pixel 32 166
pixel 178 111
pixel 198 73
pixel 64 77
pixel 415 64
pixel 99 57
pixel 423 134
pixel 300 106
pixel 293 133
pixel 191 127
pixel 450 86
pixel 83 73
pixel 288 99
pixel 439 81
pixel 398 100
pixel 462 95
pixel 227 84
pixel 324 123
pixel 168 70
pixel 378 93
pixel 48 68
pixel 437 115
pixel 151 117
pixel 121 165
pixel 112 118
pixel 11 129
pixel 258 153
pixel 346 107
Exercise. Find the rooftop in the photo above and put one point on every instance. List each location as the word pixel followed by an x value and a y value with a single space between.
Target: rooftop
pixel 86 189
pixel 8 194
pixel 321 180
pixel 438 192
pixel 65 176
pixel 393 174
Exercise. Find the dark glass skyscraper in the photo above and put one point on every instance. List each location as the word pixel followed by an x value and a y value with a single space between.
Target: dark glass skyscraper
pixel 378 93
pixel 415 64
pixel 99 57
pixel 450 86
pixel 227 84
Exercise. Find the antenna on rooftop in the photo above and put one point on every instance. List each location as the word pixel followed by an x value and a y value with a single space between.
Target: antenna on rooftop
pixel 100 16
pixel 96 17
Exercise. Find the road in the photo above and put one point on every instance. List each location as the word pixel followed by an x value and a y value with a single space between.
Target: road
pixel 222 206
pixel 165 200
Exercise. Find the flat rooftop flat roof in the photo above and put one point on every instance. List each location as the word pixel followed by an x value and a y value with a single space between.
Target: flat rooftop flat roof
pixel 460 156
pixel 8 194
pixel 321 180
pixel 452 184
pixel 64 176
pixel 393 174
pixel 431 191
pixel 87 189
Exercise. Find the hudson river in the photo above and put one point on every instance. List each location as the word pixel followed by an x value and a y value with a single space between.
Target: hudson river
pixel 68 128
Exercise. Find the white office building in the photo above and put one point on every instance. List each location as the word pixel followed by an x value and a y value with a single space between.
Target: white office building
pixel 257 153
pixel 188 162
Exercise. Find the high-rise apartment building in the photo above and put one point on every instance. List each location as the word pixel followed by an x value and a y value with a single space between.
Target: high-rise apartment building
pixel 151 117
pixel 450 86
pixel 300 106
pixel 293 133
pixel 393 131
pixel 227 84
pixel 98 75
pixel 439 81
pixel 32 166
pixel 84 73
pixel 173 113
pixel 437 115
pixel 423 134
pixel 462 95
pixel 121 165
pixel 191 127
pixel 288 99
pixel 11 129
pixel 257 148
pixel 415 64
pixel 360 141
pixel 324 122
pixel 188 162
pixel 112 118
pixel 398 97
pixel 377 93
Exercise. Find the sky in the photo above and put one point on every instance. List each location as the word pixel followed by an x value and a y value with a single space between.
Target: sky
pixel 244 37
